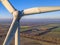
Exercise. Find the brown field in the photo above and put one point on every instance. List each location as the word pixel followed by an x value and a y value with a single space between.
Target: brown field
pixel 41 35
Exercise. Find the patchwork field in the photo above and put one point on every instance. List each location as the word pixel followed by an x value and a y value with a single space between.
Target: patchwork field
pixel 45 35
pixel 35 35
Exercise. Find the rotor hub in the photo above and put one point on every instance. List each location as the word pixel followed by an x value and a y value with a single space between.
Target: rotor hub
pixel 17 14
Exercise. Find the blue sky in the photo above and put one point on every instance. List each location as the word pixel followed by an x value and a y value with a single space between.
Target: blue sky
pixel 24 4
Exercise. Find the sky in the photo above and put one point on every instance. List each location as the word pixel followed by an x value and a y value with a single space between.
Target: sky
pixel 24 4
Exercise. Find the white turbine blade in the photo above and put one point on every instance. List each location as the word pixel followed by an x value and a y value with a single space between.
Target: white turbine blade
pixel 11 32
pixel 8 5
pixel 40 10
pixel 17 35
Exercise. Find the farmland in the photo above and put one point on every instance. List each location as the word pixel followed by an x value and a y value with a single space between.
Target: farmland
pixel 39 34
pixel 44 37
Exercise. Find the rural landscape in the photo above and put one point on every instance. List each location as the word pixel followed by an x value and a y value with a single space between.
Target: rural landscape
pixel 34 31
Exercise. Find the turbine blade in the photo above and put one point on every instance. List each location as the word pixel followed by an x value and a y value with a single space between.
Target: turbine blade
pixel 17 36
pixel 8 6
pixel 11 32
pixel 40 10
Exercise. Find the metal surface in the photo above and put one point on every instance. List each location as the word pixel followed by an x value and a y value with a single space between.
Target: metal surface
pixel 17 35
pixel 8 6
pixel 38 10
pixel 11 32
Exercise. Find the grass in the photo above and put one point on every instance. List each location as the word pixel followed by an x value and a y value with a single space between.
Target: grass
pixel 24 28
pixel 56 30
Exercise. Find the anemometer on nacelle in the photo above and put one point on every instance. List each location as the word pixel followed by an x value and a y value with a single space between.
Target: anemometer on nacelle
pixel 15 26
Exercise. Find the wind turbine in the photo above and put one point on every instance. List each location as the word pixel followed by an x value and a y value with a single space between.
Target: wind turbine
pixel 15 26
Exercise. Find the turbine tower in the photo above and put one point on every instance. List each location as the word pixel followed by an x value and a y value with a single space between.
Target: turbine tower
pixel 15 26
